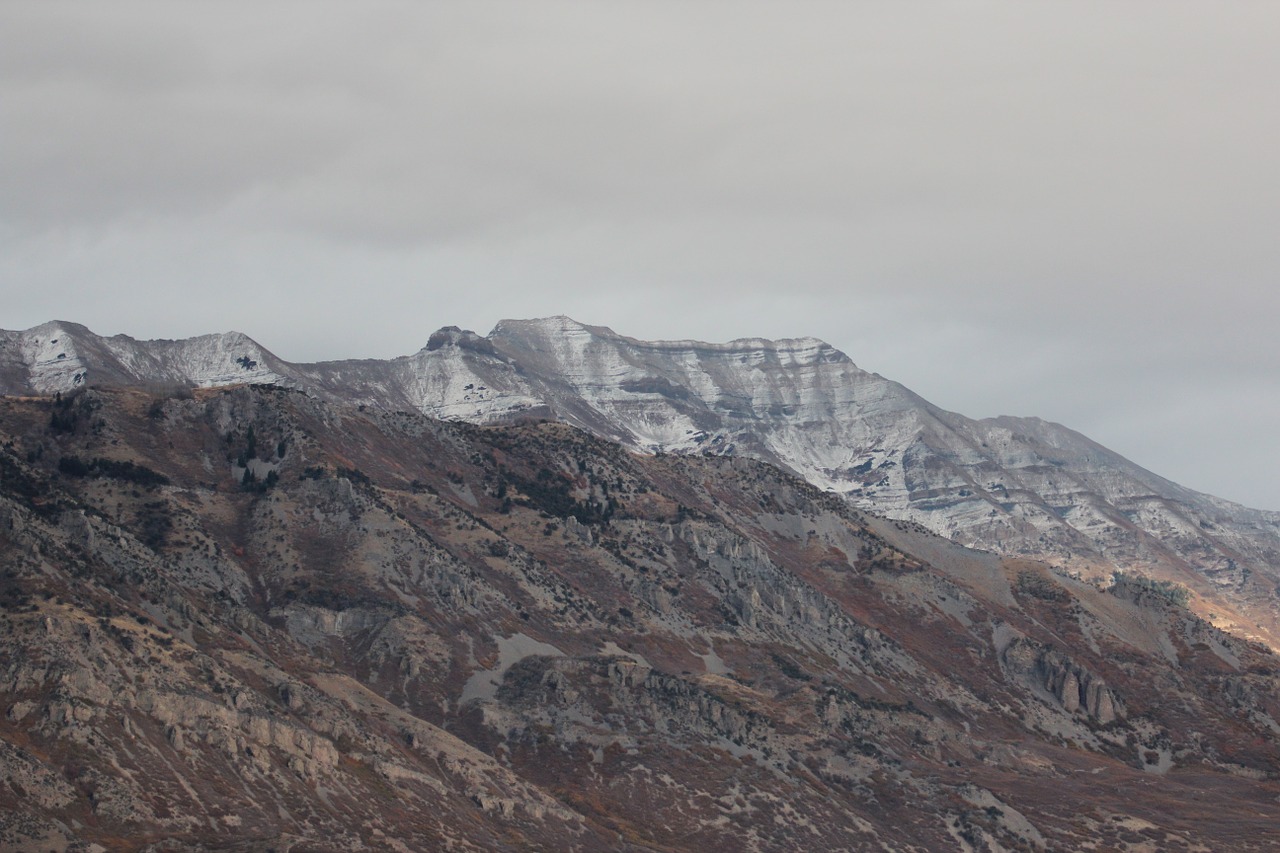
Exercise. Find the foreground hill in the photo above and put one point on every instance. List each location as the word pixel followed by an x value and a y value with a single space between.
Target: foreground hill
pixel 247 618
pixel 1015 486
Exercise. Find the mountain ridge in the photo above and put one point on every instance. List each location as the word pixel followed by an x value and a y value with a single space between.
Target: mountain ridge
pixel 1017 486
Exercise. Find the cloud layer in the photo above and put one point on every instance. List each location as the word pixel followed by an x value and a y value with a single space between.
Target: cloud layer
pixel 1063 210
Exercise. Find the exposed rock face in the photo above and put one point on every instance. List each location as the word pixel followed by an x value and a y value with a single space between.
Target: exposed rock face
pixel 1073 686
pixel 431 635
pixel 1016 486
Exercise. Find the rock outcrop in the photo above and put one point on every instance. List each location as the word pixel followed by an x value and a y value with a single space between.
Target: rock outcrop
pixel 1048 671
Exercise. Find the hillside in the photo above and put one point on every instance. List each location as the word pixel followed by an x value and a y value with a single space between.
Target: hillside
pixel 248 618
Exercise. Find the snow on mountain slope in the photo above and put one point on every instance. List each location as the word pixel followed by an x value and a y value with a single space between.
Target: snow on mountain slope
pixel 798 402
pixel 1013 485
pixel 61 356
pixel 457 376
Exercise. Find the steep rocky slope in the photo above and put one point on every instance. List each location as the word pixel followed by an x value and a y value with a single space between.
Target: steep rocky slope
pixel 248 618
pixel 1017 486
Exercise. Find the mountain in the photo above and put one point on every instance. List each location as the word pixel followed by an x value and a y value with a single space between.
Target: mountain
pixel 250 618
pixel 1015 486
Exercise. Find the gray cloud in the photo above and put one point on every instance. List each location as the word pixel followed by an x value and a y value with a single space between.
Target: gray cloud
pixel 1062 210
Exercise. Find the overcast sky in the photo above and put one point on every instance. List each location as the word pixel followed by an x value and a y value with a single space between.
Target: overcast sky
pixel 1069 210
